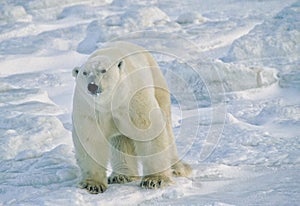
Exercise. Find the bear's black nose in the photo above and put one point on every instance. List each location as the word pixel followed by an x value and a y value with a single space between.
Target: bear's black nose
pixel 93 88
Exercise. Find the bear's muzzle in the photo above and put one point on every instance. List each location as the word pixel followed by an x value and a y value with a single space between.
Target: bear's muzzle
pixel 93 88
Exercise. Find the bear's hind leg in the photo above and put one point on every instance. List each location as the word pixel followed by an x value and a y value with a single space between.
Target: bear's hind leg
pixel 155 157
pixel 155 181
pixel 123 161
pixel 181 169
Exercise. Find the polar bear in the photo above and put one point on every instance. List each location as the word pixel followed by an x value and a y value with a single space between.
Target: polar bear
pixel 121 113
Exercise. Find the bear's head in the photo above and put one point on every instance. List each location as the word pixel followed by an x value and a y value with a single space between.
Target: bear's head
pixel 98 76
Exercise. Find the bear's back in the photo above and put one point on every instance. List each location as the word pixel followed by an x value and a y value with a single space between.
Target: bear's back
pixel 134 56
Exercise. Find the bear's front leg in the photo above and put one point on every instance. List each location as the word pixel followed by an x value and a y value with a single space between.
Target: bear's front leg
pixel 92 164
pixel 94 178
pixel 123 160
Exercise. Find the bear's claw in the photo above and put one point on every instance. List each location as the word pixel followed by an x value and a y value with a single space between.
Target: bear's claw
pixel 92 187
pixel 120 179
pixel 155 182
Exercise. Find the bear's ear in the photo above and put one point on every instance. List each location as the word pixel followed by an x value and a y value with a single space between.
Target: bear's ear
pixel 121 64
pixel 75 72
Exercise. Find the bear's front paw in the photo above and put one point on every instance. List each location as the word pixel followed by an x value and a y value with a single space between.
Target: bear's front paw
pixel 93 186
pixel 120 179
pixel 155 181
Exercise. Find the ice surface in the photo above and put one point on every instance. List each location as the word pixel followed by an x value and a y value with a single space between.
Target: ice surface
pixel 233 71
pixel 275 42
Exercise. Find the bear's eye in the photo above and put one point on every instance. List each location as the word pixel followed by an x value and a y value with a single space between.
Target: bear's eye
pixel 120 64
pixel 84 73
pixel 102 71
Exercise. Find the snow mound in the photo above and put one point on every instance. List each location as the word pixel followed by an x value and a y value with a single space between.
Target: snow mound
pixel 51 9
pixel 59 39
pixel 130 3
pixel 78 11
pixel 11 14
pixel 30 169
pixel 40 9
pixel 144 17
pixel 274 43
pixel 190 17
pixel 198 84
pixel 96 32
pixel 290 78
pixel 236 77
pixel 118 25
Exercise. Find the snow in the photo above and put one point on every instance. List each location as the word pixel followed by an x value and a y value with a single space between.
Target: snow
pixel 233 71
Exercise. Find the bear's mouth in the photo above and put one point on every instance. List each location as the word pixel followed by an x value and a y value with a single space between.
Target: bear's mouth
pixel 93 88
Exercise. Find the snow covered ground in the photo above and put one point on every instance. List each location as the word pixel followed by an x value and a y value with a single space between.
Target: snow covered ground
pixel 233 70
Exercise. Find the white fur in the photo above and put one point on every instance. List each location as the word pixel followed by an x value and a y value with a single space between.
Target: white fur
pixel 127 121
